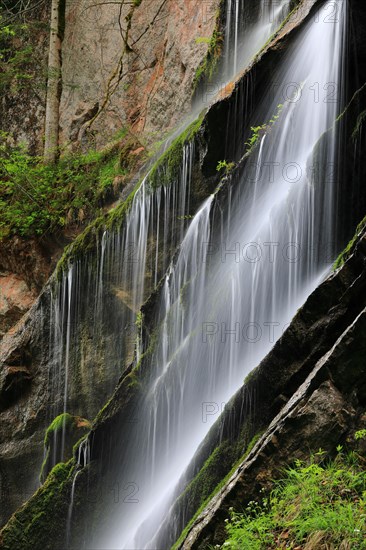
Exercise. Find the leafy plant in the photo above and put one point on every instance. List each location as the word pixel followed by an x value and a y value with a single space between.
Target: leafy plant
pixel 209 65
pixel 257 131
pixel 224 165
pixel 320 506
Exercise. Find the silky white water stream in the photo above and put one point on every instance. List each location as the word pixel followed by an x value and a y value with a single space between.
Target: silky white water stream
pixel 239 278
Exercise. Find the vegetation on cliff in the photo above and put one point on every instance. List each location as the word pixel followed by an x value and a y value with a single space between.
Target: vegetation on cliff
pixel 46 512
pixel 36 198
pixel 350 246
pixel 316 505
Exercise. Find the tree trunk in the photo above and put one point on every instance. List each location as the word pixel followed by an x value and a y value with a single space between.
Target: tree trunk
pixel 54 82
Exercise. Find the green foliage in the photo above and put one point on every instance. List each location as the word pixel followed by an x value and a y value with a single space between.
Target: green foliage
pixel 361 434
pixel 350 247
pixel 168 166
pixel 258 131
pixel 61 422
pixel 224 165
pixel 209 65
pixel 139 320
pixel 322 506
pixel 35 198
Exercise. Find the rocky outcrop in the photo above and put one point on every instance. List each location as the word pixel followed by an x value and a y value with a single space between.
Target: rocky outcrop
pixel 31 260
pixel 61 436
pixel 147 89
pixel 32 379
pixel 142 92
pixel 310 388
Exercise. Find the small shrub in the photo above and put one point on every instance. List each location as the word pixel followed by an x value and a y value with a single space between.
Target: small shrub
pixel 224 165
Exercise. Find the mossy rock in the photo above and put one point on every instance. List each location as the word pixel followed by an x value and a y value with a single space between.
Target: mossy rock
pixel 60 438
pixel 40 524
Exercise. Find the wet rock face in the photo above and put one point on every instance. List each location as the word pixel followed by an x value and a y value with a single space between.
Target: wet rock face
pixel 31 260
pixel 23 408
pixel 25 266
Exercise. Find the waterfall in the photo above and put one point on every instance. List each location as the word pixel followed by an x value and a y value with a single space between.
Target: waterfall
pixel 248 27
pixel 93 338
pixel 243 269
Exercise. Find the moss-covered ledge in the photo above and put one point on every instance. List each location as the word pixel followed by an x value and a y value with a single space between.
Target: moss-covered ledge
pixel 41 523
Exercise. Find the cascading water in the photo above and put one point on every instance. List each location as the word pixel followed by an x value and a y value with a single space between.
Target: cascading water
pixel 248 28
pixel 242 271
pixel 129 262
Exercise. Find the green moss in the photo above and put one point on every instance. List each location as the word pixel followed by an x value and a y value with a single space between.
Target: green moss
pixel 61 422
pixel 75 448
pixel 164 171
pixel 208 67
pixel 167 167
pixel 40 523
pixel 86 241
pixel 101 413
pixel 133 379
pixel 64 423
pixel 250 376
pixel 205 483
pixel 350 247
